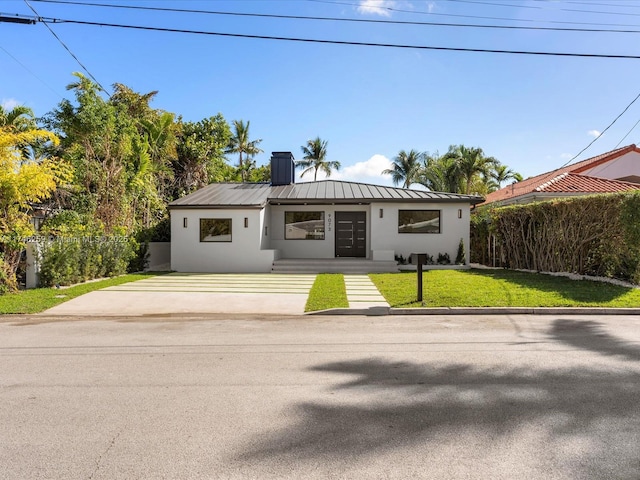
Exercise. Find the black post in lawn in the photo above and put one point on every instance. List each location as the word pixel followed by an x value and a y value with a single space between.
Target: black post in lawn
pixel 420 259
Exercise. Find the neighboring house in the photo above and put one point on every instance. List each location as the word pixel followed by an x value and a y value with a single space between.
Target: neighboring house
pixel 246 227
pixel 615 171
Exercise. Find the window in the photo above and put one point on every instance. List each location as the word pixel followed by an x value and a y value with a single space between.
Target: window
pixel 419 221
pixel 304 225
pixel 215 229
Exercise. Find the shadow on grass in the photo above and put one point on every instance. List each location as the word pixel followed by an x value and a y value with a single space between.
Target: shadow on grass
pixel 443 409
pixel 583 291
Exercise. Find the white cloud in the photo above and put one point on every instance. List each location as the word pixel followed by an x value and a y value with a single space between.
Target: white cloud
pixel 376 7
pixel 369 171
pixel 566 156
pixel 594 133
pixel 9 103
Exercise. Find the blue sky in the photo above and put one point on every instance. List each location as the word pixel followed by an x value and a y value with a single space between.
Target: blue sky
pixel 533 113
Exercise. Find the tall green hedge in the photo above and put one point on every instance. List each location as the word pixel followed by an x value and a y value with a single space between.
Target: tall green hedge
pixel 69 260
pixel 592 235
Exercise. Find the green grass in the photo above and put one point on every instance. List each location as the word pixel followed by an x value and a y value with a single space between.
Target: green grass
pixel 40 299
pixel 328 291
pixel 500 288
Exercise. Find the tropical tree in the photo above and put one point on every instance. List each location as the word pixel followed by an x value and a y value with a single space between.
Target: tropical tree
pixel 240 144
pixel 97 137
pixel 200 155
pixel 19 118
pixel 23 182
pixel 472 164
pixel 315 158
pixel 501 173
pixel 405 168
pixel 440 174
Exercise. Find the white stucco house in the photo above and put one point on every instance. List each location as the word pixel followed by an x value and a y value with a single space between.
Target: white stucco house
pixel 251 227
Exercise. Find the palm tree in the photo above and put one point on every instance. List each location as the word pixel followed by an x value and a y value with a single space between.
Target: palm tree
pixel 315 158
pixel 405 168
pixel 471 163
pixel 502 173
pixel 20 118
pixel 440 174
pixel 241 144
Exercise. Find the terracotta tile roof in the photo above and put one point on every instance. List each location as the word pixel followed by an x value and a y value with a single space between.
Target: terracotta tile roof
pixel 532 184
pixel 573 182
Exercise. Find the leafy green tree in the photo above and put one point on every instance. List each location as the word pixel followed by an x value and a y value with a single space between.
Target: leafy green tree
pixel 502 173
pixel 239 143
pixel 23 182
pixel 200 155
pixel 315 158
pixel 19 118
pixel 440 174
pixel 473 165
pixel 405 168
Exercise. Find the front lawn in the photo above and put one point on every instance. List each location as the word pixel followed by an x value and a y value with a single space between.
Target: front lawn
pixel 500 288
pixel 40 299
pixel 328 291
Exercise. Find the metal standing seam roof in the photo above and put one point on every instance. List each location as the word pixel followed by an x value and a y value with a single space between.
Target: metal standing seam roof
pixel 258 194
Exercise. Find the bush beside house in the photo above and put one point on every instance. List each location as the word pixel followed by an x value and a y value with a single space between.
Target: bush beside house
pixel 595 235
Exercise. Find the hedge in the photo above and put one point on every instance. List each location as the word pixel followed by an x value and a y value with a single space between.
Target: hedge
pixel 69 260
pixel 589 235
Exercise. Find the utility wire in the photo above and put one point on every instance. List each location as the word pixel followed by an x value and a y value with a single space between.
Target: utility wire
pixel 336 19
pixel 30 71
pixel 340 42
pixel 631 130
pixel 414 12
pixel 40 19
pixel 602 133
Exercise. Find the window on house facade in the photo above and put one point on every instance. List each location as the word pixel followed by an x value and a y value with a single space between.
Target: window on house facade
pixel 215 229
pixel 304 225
pixel 419 221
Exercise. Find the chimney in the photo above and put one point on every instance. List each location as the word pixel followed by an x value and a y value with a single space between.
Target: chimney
pixel 283 168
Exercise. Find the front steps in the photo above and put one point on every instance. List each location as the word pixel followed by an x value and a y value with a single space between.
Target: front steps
pixel 333 265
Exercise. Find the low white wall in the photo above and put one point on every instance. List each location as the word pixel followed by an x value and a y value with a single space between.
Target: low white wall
pixel 33 269
pixel 159 257
pixel 242 254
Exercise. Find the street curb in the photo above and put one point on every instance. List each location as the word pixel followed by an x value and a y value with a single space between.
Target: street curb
pixel 377 311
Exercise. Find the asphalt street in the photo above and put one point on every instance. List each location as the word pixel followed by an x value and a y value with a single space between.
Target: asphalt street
pixel 250 397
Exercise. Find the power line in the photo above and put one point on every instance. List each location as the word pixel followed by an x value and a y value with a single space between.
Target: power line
pixel 40 19
pixel 631 130
pixel 336 19
pixel 30 71
pixel 341 42
pixel 602 133
pixel 417 12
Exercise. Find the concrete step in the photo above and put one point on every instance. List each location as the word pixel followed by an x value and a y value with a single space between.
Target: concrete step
pixel 339 265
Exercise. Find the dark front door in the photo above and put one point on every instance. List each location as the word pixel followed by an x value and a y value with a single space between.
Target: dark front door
pixel 351 234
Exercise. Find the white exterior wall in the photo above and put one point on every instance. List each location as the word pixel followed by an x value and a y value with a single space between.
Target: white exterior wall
pixel 311 248
pixel 242 254
pixel 385 235
pixel 624 166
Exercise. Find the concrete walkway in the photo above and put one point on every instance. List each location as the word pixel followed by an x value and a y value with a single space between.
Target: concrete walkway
pixel 196 293
pixel 362 293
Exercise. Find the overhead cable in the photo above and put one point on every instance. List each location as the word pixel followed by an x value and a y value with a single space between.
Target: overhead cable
pixel 40 19
pixel 338 19
pixel 341 42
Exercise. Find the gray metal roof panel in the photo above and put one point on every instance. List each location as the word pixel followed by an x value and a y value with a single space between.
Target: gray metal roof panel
pixel 258 194
pixel 226 194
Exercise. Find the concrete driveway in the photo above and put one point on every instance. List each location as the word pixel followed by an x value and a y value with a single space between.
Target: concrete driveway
pixel 196 293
